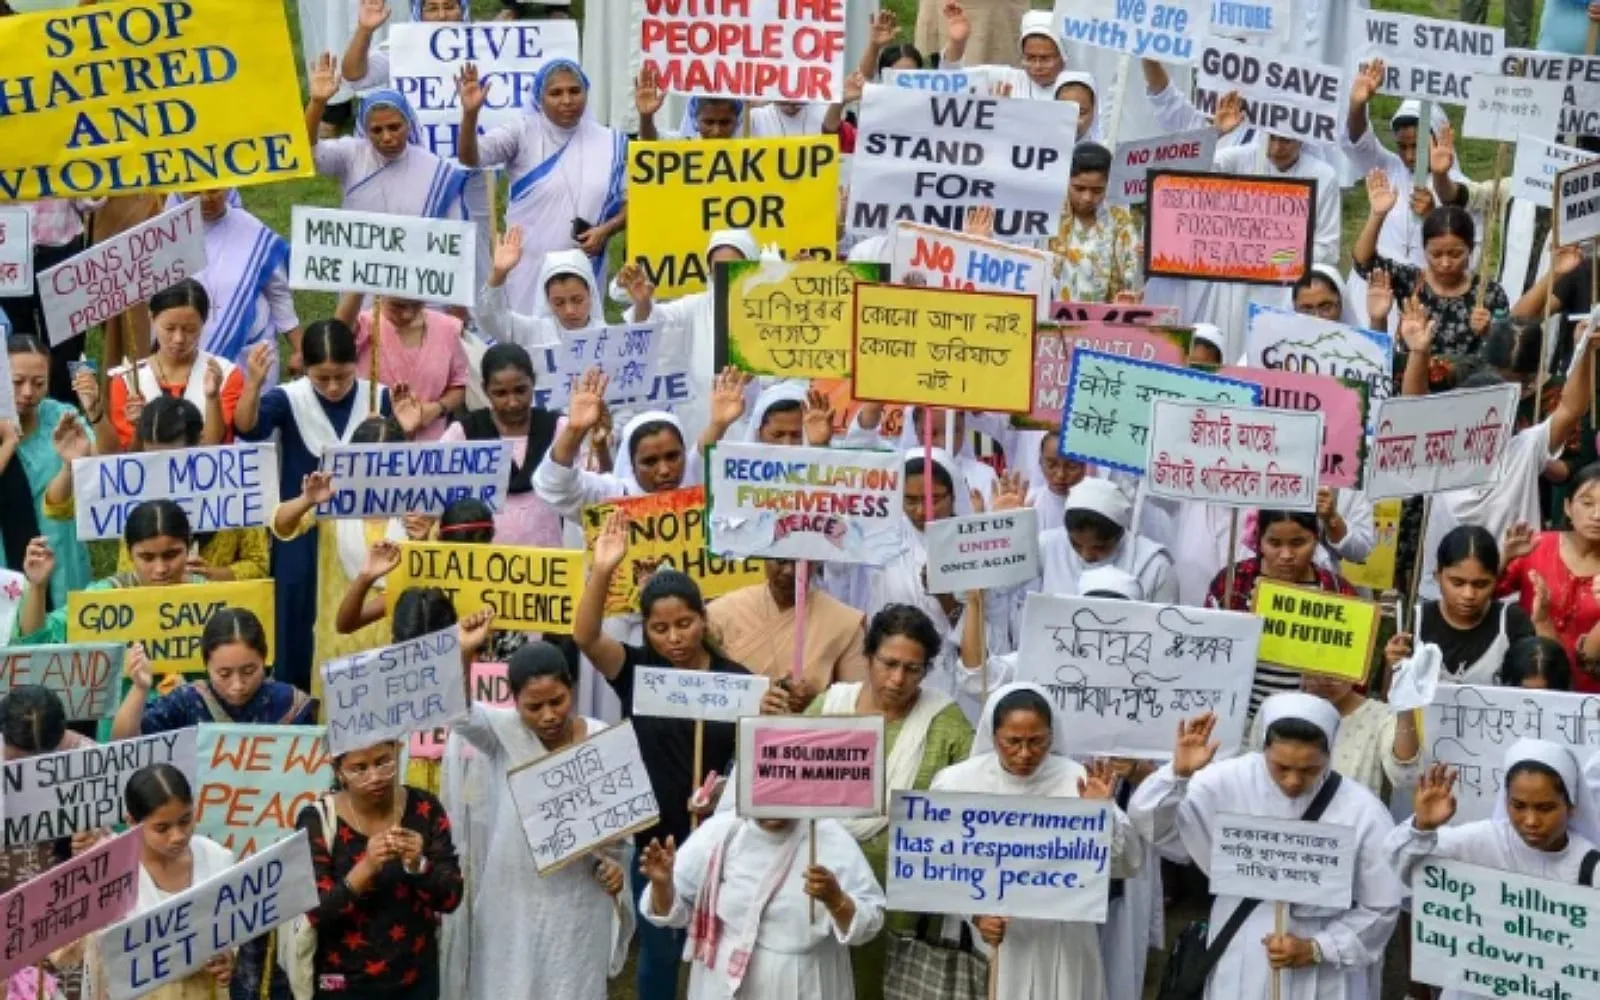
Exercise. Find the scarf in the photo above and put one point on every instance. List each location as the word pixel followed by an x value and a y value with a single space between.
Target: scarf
pixel 317 432
pixel 194 390
pixel 905 757
pixel 480 426
pixel 705 927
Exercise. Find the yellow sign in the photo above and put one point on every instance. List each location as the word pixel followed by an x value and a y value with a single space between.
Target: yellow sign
pixel 167 620
pixel 784 191
pixel 1315 631
pixel 943 347
pixel 149 95
pixel 667 530
pixel 530 590
pixel 1377 573
pixel 791 319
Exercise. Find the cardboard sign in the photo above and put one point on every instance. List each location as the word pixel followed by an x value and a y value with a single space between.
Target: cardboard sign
pixel 425 59
pixel 1117 668
pixel 785 191
pixel 1505 107
pixel 1010 158
pixel 1289 97
pixel 945 80
pixel 983 551
pixel 530 590
pixel 1230 227
pixel 774 50
pixel 1110 314
pixel 16 251
pixel 1315 632
pixel 1442 442
pixel 629 354
pixel 114 276
pixel 1249 457
pixel 489 687
pixel 1052 357
pixel 1110 403
pixel 788 319
pixel 1377 572
pixel 811 767
pixel 178 936
pixel 939 258
pixel 1579 77
pixel 1342 404
pixel 805 503
pixel 85 676
pixel 1537 164
pixel 220 487
pixel 1577 218
pixel 255 780
pixel 1283 860
pixel 56 795
pixel 1427 58
pixel 667 693
pixel 583 797
pixel 414 477
pixel 667 530
pixel 1021 856
pixel 1281 340
pixel 1166 31
pixel 71 900
pixel 167 620
pixel 388 693
pixel 155 97
pixel 1131 166
pixel 399 256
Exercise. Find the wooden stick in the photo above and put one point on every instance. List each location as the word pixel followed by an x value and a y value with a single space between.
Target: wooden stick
pixel 1416 567
pixel 377 335
pixel 494 197
pixel 994 972
pixel 1550 300
pixel 1421 175
pixel 813 863
pixel 802 587
pixel 699 764
pixel 1494 224
pixel 40 993
pixel 1280 924
pixel 1233 548
pixel 1594 38
pixel 927 467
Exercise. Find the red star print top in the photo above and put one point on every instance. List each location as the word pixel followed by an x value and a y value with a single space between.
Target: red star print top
pixel 386 937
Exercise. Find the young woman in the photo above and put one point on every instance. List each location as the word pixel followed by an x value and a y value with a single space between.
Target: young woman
pixel 1080 88
pixel 1375 745
pixel 419 351
pixel 1100 246
pixel 1537 663
pixel 1553 574
pixel 178 368
pixel 756 624
pixel 1320 292
pixel 565 297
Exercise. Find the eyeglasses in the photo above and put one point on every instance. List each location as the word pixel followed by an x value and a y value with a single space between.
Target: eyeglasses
pixel 1037 744
pixel 365 773
pixel 909 669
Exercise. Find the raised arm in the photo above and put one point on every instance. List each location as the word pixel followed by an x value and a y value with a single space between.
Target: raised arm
pixel 71 443
pixel 957 29
pixel 129 721
pixel 323 83
pixel 358 610
pixel 647 100
pixel 315 488
pixel 473 94
pixel 247 412
pixel 1576 395
pixel 1381 197
pixel 374 14
pixel 610 547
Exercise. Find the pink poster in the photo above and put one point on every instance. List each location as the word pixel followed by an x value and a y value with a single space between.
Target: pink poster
pixel 1133 314
pixel 489 685
pixel 72 900
pixel 815 769
pixel 1342 403
pixel 1052 356
pixel 1229 227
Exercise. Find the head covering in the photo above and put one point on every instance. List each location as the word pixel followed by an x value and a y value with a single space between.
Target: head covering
pixel 790 391
pixel 872 250
pixel 1104 498
pixel 573 263
pixel 983 741
pixel 1038 24
pixel 960 493
pixel 466 10
pixel 385 97
pixel 624 464
pixel 1210 333
pixel 546 73
pixel 689 128
pixel 1584 821
pixel 1110 580
pixel 1411 110
pixel 1348 314
pixel 176 198
pixel 737 239
pixel 1305 707
pixel 1070 77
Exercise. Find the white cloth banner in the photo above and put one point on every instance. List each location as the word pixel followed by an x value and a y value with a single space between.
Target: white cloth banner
pixel 1538 161
pixel 1283 860
pixel 583 797
pixel 981 551
pixel 415 477
pixel 1423 57
pixel 219 487
pixel 1503 108
pixel 1238 456
pixel 393 691
pixel 1295 98
pixel 426 260
pixel 16 251
pixel 669 693
pixel 56 795
pixel 1133 161
pixel 1433 444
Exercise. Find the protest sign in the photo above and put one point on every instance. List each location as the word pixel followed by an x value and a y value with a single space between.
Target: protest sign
pixel 1133 161
pixel 701 695
pixel 583 797
pixel 390 692
pixel 16 252
pixel 71 900
pixel 149 96
pixel 529 589
pixel 810 767
pixel 84 677
pixel 773 50
pixel 425 59
pixel 982 551
pixel 1485 932
pixel 1021 856
pixel 1163 30
pixel 254 780
pixel 120 272
pixel 941 347
pixel 403 256
pixel 1505 107
pixel 414 477
pixel 179 935
pixel 667 530
pixel 669 390
pixel 1441 442
pixel 1577 204
pixel 1469 727
pixel 1314 631
pixel 628 354
pixel 1288 341
pixel 167 620
pixel 1265 22
pixel 1579 77
pixel 785 191
pixel 56 795
pixel 490 688
pixel 1118 314
pixel 1343 405
pixel 1423 57
pixel 1229 227
pixel 1120 669
pixel 1106 419
pixel 908 167
pixel 1236 456
pixel 1376 573
pixel 1283 860
pixel 945 80
pixel 1537 163
pixel 1289 97
pixel 220 487
pixel 805 503
pixel 790 319
pixel 1052 357
pixel 938 258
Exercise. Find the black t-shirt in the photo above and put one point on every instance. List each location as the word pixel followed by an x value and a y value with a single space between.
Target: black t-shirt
pixel 1572 299
pixel 667 745
pixel 1462 649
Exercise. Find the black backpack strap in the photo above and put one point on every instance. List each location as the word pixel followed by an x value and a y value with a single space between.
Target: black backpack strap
pixel 1586 871
pixel 1325 794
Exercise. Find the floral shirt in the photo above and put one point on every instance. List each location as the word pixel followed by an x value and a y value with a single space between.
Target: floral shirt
pixel 1099 260
pixel 1452 315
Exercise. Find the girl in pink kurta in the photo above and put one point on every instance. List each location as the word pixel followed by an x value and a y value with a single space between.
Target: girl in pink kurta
pixel 420 348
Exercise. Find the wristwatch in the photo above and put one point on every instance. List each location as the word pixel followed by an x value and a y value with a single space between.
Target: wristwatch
pixel 421 869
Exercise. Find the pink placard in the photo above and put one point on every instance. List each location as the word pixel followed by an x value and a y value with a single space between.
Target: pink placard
pixel 1343 405
pixel 811 768
pixel 1052 356
pixel 1135 314
pixel 72 900
pixel 489 685
pixel 1229 227
pixel 24 984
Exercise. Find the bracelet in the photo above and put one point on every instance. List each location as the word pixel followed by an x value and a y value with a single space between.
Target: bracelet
pixel 1316 953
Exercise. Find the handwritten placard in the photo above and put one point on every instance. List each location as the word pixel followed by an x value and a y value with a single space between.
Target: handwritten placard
pixel 1315 632
pixel 1280 340
pixel 928 257
pixel 1283 860
pixel 811 767
pixel 667 530
pixel 1052 356
pixel 16 251
pixel 167 620
pixel 701 695
pixel 1537 164
pixel 1130 168
pixel 1446 441
pixel 583 797
pixel 83 676
pixel 408 257
pixel 254 780
pixel 628 354
pixel 219 488
pixel 390 692
pixel 1229 227
pixel 490 687
pixel 414 477
pixel 1504 107
pixel 529 589
pixel 56 795
pixel 72 900
pixel 1236 456
pixel 791 319
pixel 1342 404
pixel 1578 204
pixel 982 551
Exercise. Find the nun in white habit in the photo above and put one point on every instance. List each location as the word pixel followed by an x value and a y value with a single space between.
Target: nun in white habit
pixel 547 326
pixel 1328 953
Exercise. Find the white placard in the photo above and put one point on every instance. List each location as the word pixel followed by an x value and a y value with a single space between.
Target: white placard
pixel 1122 671
pixel 1295 98
pixel 1533 172
pixel 1579 77
pixel 1283 860
pixel 999 855
pixel 1266 23
pixel 1433 444
pixel 666 693
pixel 1505 107
pixel 16 252
pixel 414 477
pixel 1427 58
pixel 425 58
pixel 983 551
pixel 583 797
pixel 810 766
pixel 1011 158
pixel 1164 30
pixel 119 273
pixel 1287 341
pixel 1470 727
pixel 629 355
pixel 403 256
pixel 390 692
pixel 1578 204
pixel 942 258
pixel 1132 162
pixel 774 50
pixel 1238 456
pixel 179 935
pixel 56 795
pixel 949 80
pixel 219 487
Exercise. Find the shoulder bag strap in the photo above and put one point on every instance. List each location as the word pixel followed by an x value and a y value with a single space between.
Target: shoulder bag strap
pixel 1586 872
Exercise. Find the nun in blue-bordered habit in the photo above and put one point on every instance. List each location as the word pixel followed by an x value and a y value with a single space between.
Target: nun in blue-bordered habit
pixel 386 169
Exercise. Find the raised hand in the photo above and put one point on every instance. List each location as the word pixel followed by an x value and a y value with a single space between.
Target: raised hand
pixel 1434 801
pixel 647 94
pixel 1230 112
pixel 382 559
pixel 817 415
pixel 1195 747
pixel 587 403
pixel 854 86
pixel 1099 780
pixel 474 630
pixel 1380 298
pixel 1416 326
pixel 611 545
pixel 1368 81
pixel 1010 492
pixel 317 487
pixel 324 78
pixel 1516 542
pixel 885 28
pixel 980 221
pixel 1442 151
pixel 656 861
pixel 38 562
pixel 472 91
pixel 1540 612
pixel 957 28
pixel 727 396
pixel 136 667
pixel 213 378
pixel 507 254
pixel 70 439
pixel 636 283
pixel 373 15
pixel 407 407
pixel 1381 195
pixel 258 364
